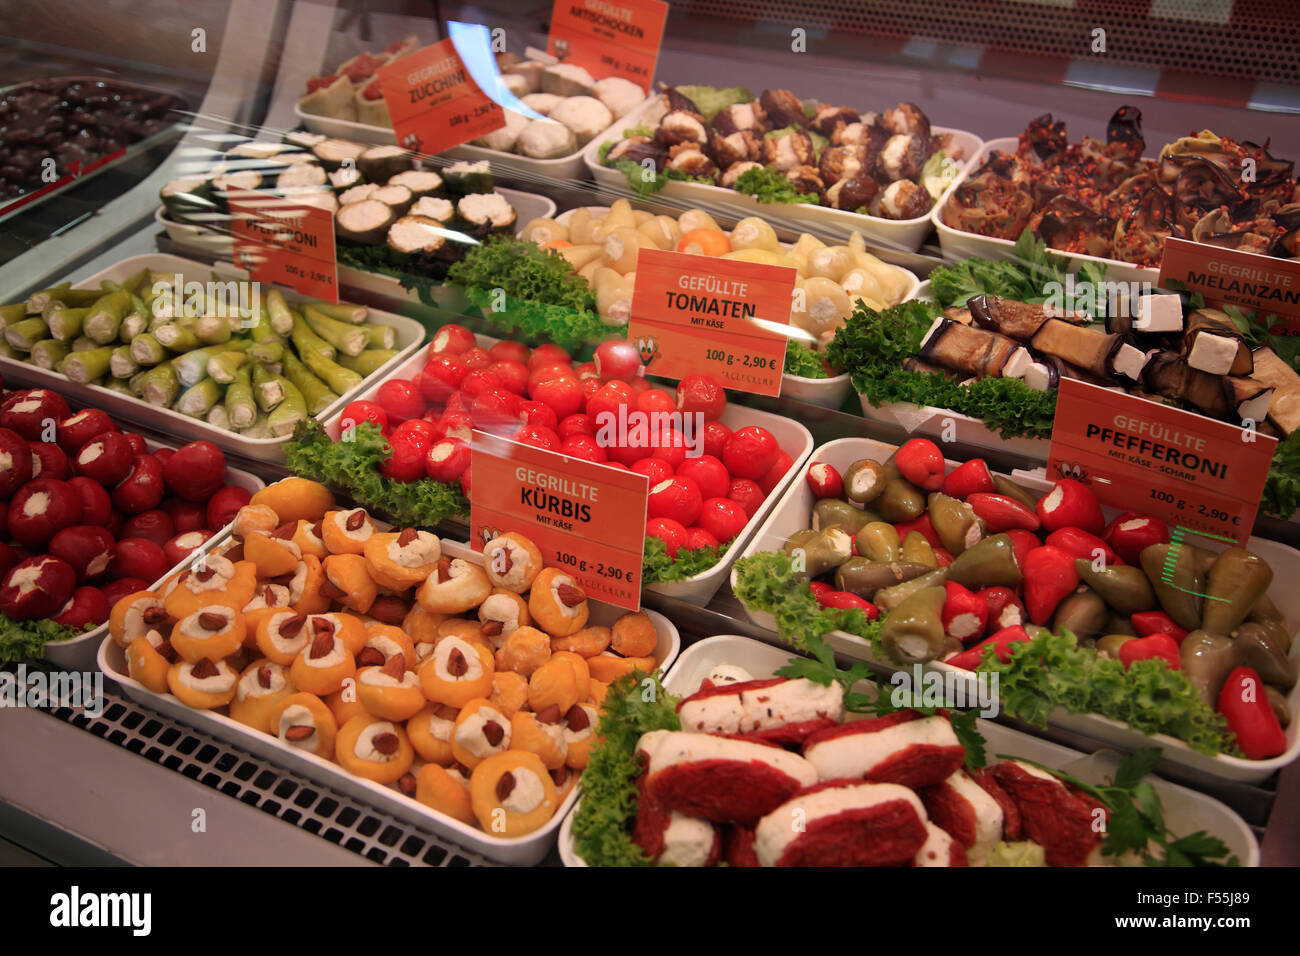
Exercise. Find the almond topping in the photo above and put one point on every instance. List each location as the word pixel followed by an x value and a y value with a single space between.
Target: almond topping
pixel 331 590
pixel 212 621
pixel 234 553
pixel 264 675
pixel 293 625
pixel 207 574
pixel 167 652
pixel 406 784
pixel 446 712
pixel 505 785
pixel 355 520
pixel 322 625
pixel 577 719
pixel 370 657
pixel 407 536
pixel 299 732
pixel 570 595
pixel 154 615
pixel 268 597
pixel 386 744
pixel 285 531
pixel 444 570
pixel 560 775
pixel 204 668
pixel 389 609
pixel 492 628
pixel 456 663
pixel 316 531
pixel 396 666
pixel 493 733
pixel 549 714
pixel 321 646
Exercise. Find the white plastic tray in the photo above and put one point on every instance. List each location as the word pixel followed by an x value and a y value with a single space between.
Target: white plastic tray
pixel 410 334
pixel 793 438
pixel 558 170
pixel 791 514
pixel 904 235
pixel 1186 811
pixel 957 244
pixel 78 653
pixel 213 242
pixel 524 850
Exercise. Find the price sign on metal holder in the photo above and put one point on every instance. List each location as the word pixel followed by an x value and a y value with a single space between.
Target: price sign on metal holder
pixel 1138 455
pixel 287 243
pixel 696 315
pixel 587 519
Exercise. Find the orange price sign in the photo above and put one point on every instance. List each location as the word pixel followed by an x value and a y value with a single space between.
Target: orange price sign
pixel 1139 455
pixel 1246 279
pixel 587 519
pixel 609 37
pixel 697 315
pixel 288 243
pixel 435 102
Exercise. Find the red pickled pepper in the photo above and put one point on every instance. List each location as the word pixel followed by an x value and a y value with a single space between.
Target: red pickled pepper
pixel 1244 703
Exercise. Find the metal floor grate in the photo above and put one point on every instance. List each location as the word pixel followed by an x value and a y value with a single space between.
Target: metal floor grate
pixel 306 804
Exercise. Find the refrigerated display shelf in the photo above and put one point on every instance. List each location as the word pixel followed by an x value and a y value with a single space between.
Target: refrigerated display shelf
pixel 350 824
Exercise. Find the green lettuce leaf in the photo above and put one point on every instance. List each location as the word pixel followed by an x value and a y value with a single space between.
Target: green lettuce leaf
pixel 770 185
pixel 634 705
pixel 25 640
pixel 1053 671
pixel 801 360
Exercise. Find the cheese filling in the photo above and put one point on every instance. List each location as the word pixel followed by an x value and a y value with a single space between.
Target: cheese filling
pixel 337 655
pixel 250 686
pixel 365 746
pixel 442 654
pixel 219 683
pixel 856 755
pixel 375 677
pixel 528 792
pixel 360 534
pixel 425 549
pixel 470 732
pixel 688 841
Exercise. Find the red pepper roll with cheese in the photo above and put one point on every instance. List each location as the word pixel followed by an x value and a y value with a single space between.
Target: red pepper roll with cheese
pixel 1012 828
pixel 967 812
pixel 1065 822
pixel 719 778
pixel 844 823
pixel 738 846
pixel 906 747
pixel 939 849
pixel 670 838
pixel 779 711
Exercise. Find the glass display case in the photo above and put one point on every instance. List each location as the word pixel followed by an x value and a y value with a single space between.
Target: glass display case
pixel 945 348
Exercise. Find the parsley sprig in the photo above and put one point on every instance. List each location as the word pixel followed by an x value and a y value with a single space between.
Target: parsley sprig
pixel 1137 817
